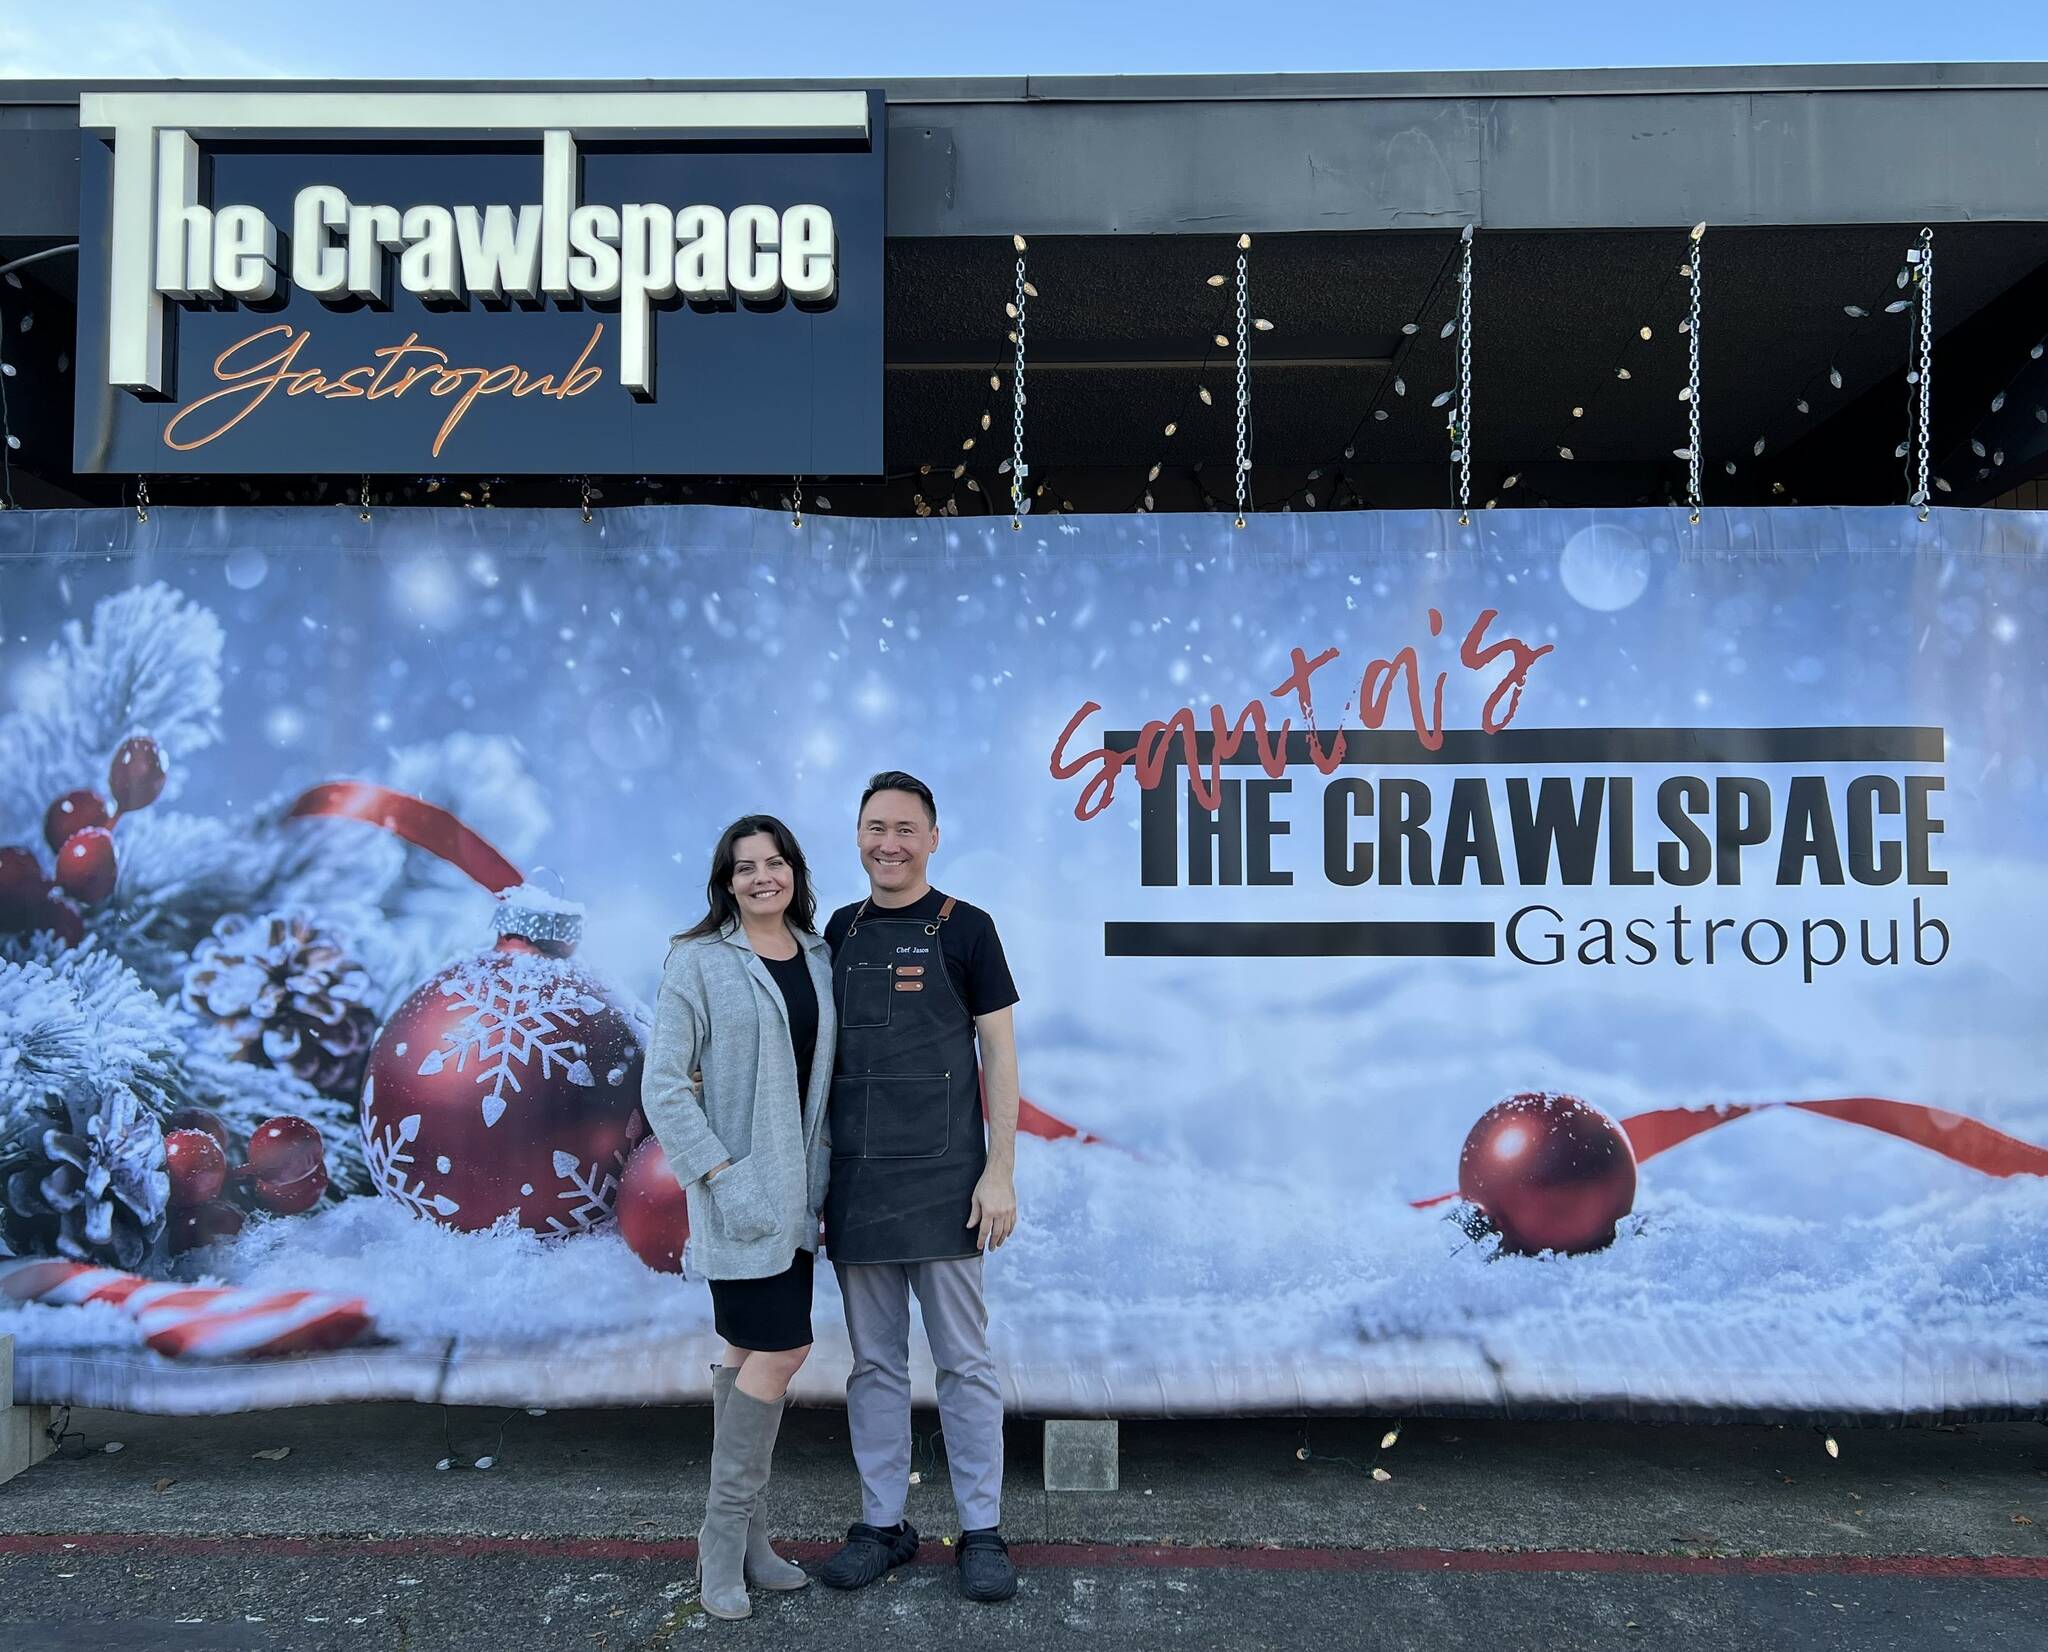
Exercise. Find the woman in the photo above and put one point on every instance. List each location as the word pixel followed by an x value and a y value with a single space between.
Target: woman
pixel 746 1001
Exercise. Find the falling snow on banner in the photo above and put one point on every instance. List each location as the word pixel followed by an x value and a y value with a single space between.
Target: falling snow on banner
pixel 1580 961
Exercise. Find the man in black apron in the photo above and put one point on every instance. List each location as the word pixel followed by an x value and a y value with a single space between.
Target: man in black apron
pixel 917 1194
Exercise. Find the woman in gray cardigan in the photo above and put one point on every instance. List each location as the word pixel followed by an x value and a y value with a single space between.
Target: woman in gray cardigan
pixel 746 1001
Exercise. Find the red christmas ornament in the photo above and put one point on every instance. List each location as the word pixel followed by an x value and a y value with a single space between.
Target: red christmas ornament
pixel 284 1149
pixel 508 1083
pixel 202 1225
pixel 654 1217
pixel 198 1167
pixel 136 776
pixel 290 1198
pixel 85 865
pixel 72 811
pixel 1549 1172
pixel 200 1118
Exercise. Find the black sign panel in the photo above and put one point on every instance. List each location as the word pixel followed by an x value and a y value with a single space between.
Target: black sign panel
pixel 418 366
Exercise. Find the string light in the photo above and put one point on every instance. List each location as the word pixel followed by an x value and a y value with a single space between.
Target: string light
pixel 1374 413
pixel 1217 341
pixel 1802 404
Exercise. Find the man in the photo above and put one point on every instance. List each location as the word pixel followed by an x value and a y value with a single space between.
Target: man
pixel 917 1194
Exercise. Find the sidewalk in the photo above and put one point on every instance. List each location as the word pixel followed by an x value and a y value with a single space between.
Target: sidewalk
pixel 1556 1535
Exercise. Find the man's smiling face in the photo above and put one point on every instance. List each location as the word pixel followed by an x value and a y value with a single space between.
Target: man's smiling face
pixel 896 839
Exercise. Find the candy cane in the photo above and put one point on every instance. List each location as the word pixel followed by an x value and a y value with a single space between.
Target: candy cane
pixel 201 1321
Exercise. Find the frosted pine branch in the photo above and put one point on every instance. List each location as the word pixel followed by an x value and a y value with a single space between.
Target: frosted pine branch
pixel 149 664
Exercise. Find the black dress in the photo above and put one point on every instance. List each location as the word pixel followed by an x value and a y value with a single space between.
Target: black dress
pixel 773 1315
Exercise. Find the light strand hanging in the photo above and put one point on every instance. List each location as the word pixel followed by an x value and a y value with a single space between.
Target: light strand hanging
pixel 1922 260
pixel 1020 497
pixel 1461 420
pixel 1694 459
pixel 1244 377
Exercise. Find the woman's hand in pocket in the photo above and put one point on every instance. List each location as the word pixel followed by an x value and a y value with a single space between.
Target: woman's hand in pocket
pixel 739 1202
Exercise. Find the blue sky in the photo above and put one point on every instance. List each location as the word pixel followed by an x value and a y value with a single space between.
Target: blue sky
pixel 793 38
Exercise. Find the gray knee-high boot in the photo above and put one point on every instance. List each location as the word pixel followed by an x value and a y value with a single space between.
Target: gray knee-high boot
pixel 765 1568
pixel 742 1446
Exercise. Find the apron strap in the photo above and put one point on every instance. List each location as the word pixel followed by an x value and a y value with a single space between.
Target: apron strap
pixel 945 911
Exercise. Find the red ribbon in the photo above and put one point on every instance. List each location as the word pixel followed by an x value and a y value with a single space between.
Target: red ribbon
pixel 419 822
pixel 1036 1121
pixel 1965 1141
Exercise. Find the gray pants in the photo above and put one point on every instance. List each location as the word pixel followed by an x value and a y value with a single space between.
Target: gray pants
pixel 877 1296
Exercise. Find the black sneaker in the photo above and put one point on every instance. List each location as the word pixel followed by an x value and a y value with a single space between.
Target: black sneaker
pixel 870 1552
pixel 984 1569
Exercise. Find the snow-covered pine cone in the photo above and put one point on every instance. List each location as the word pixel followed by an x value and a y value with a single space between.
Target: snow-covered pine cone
pixel 97 1194
pixel 288 995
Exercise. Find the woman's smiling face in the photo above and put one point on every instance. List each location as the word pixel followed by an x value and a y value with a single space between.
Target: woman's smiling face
pixel 762 880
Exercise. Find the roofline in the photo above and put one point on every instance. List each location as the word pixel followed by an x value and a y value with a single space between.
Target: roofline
pixel 1216 88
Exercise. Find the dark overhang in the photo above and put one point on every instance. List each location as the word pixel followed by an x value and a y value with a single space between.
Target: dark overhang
pixel 1582 183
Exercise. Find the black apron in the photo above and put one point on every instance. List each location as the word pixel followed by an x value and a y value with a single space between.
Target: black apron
pixel 907 1140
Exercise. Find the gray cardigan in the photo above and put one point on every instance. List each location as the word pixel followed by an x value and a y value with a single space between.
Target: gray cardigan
pixel 719 1012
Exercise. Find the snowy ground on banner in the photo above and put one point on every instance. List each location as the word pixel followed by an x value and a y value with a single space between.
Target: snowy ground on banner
pixel 1147 1286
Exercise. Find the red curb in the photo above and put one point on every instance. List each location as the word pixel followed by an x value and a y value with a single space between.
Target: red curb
pixel 1165 1556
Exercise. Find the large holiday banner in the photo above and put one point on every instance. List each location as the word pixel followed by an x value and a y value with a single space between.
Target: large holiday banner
pixel 1575 961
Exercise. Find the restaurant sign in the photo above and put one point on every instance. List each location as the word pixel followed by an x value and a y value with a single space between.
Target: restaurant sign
pixel 508 282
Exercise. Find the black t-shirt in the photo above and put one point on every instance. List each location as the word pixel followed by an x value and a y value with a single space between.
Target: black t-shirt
pixel 974 952
pixel 800 999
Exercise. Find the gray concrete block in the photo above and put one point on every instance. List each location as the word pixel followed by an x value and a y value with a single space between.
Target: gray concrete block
pixel 1080 1456
pixel 24 1429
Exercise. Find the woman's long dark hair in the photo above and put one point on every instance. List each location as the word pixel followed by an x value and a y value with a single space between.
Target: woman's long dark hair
pixel 722 909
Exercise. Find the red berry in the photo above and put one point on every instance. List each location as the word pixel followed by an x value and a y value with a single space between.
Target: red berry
pixel 202 1224
pixel 70 812
pixel 22 887
pixel 200 1118
pixel 289 1198
pixel 60 917
pixel 199 1169
pixel 136 776
pixel 85 865
pixel 285 1149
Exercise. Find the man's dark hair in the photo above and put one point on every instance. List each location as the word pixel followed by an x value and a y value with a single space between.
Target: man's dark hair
pixel 895 780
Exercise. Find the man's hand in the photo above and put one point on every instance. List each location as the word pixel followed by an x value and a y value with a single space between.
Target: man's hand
pixel 993 1210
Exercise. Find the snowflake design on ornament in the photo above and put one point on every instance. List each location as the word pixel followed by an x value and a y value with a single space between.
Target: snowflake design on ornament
pixel 593 1193
pixel 385 1150
pixel 510 1026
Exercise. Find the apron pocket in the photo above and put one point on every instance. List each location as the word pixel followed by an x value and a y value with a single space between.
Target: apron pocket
pixel 867 996
pixel 908 1115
